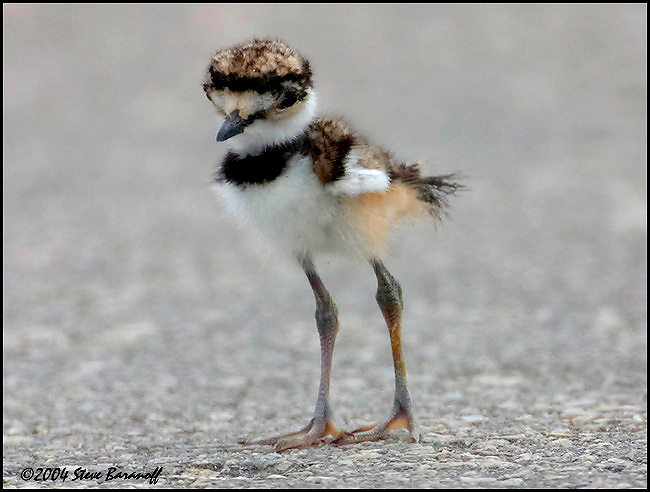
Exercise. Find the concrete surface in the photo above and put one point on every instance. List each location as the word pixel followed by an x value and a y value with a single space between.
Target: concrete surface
pixel 142 329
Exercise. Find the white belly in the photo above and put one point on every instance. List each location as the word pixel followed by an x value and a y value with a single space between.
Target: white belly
pixel 294 211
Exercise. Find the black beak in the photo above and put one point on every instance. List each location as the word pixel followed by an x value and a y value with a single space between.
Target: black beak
pixel 234 125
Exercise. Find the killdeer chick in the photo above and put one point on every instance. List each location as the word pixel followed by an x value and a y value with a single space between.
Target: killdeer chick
pixel 313 185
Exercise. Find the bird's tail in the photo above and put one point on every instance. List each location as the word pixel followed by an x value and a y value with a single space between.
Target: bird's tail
pixel 431 190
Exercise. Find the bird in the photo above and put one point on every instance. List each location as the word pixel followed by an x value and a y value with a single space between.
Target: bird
pixel 311 184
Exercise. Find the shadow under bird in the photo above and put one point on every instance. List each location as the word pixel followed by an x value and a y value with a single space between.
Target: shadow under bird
pixel 312 185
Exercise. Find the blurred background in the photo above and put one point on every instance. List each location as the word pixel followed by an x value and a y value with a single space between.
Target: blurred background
pixel 140 323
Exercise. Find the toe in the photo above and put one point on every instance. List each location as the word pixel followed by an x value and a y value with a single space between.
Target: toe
pixel 297 442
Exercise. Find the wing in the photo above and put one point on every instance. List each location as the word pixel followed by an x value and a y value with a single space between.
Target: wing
pixel 344 162
pixel 357 178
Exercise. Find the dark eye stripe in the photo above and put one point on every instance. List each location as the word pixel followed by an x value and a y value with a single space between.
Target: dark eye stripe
pixel 260 84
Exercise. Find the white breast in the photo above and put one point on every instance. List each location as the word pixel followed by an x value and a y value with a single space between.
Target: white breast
pixel 294 211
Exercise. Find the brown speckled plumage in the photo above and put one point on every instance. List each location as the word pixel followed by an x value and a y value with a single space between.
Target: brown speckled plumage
pixel 260 57
pixel 330 142
pixel 259 65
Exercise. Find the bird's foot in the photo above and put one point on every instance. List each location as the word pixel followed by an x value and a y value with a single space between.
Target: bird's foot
pixel 400 419
pixel 312 435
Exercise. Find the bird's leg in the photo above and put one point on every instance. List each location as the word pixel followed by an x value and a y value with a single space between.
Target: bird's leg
pixel 389 298
pixel 327 322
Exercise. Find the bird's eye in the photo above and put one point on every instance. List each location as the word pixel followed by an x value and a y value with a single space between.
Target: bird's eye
pixel 289 98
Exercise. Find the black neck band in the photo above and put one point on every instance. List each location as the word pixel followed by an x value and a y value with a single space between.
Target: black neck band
pixel 263 167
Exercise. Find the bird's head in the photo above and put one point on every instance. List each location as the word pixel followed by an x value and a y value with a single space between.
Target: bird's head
pixel 263 91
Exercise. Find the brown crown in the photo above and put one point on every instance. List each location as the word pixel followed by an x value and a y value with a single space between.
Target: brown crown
pixel 259 65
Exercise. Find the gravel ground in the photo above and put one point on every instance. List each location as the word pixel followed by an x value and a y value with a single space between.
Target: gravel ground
pixel 143 330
